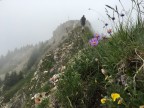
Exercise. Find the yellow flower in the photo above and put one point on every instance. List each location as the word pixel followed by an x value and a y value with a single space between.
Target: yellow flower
pixel 115 96
pixel 103 100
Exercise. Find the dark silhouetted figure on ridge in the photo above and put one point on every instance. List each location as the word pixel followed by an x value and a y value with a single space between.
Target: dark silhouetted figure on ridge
pixel 83 21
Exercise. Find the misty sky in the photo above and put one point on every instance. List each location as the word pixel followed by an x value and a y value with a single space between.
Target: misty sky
pixel 30 21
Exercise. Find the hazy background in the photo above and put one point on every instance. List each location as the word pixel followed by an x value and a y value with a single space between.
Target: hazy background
pixel 25 22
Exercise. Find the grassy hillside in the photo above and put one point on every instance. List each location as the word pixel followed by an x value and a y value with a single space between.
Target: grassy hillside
pixel 115 65
pixel 109 74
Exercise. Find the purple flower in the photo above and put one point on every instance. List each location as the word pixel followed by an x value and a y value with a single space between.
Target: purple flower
pixel 93 42
pixel 97 36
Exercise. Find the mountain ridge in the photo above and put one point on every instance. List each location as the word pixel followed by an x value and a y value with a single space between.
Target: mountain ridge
pixel 51 51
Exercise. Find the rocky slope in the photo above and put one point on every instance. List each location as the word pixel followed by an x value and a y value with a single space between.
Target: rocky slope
pixel 42 83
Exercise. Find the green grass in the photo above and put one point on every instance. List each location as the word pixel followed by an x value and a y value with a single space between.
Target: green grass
pixel 83 84
pixel 44 104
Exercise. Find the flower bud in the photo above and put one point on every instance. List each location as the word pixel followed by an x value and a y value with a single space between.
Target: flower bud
pixel 103 71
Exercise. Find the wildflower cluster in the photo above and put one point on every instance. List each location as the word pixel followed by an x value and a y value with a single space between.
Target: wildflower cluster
pixel 97 37
pixel 115 98
pixel 95 40
pixel 115 59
